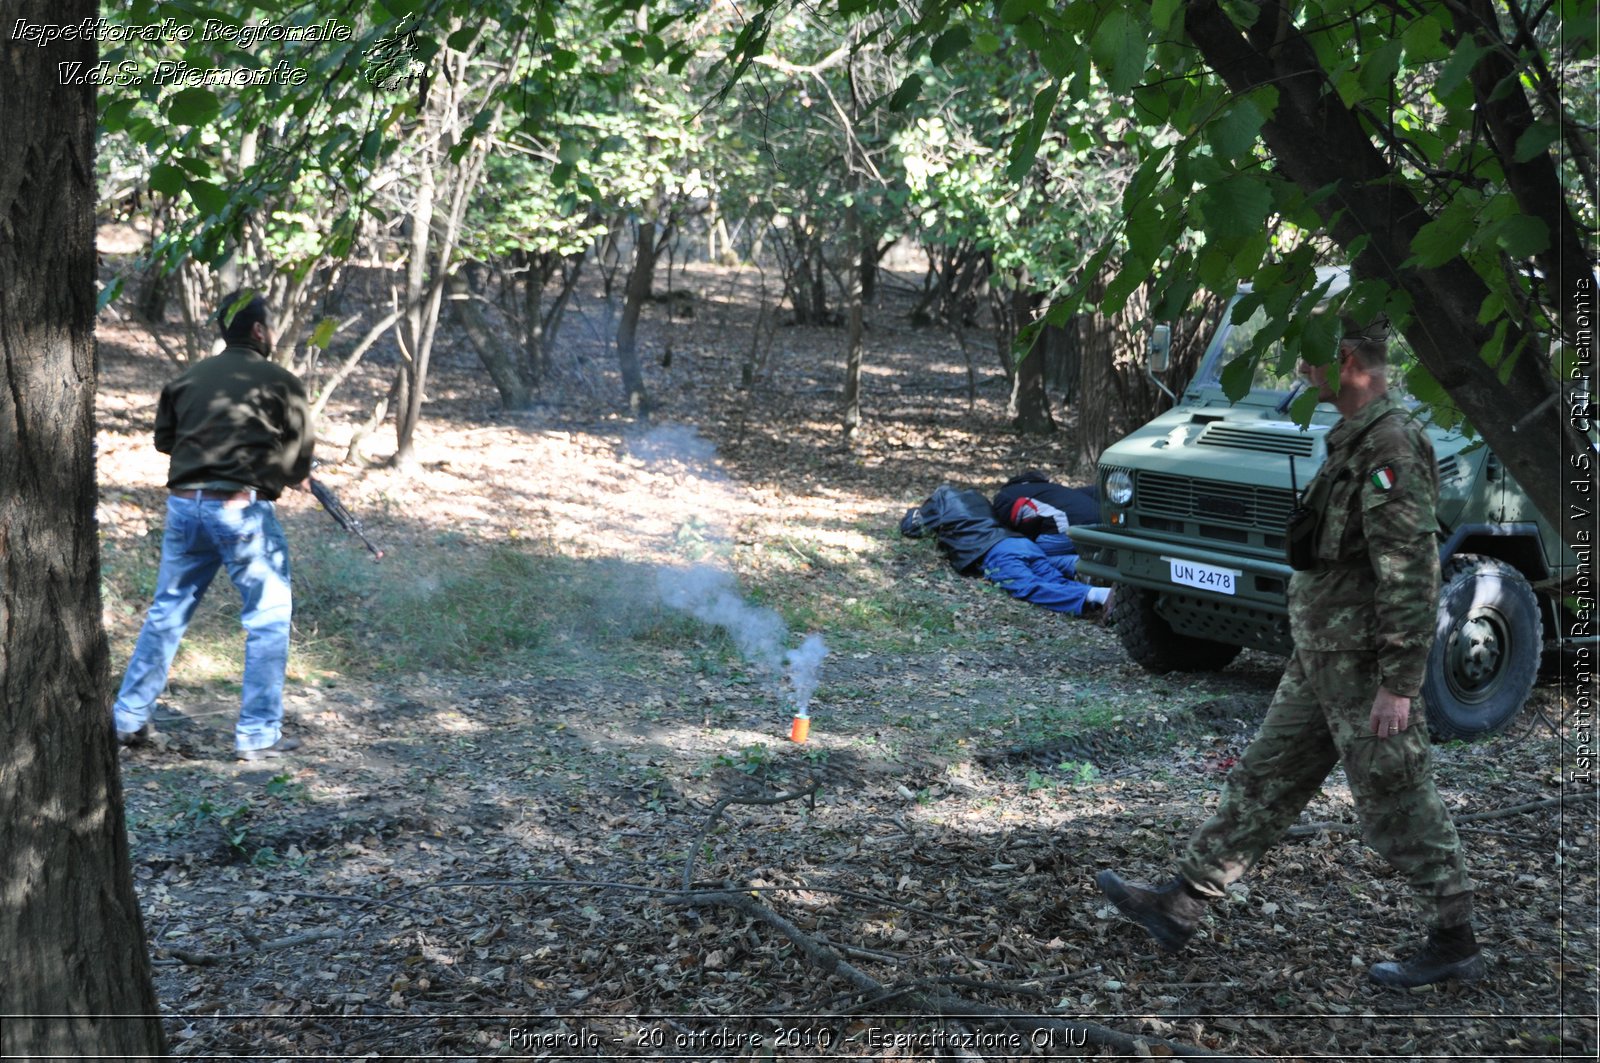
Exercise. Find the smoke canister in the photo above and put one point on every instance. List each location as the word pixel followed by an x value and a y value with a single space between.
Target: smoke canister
pixel 801 728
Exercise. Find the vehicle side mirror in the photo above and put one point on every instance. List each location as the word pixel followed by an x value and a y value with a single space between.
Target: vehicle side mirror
pixel 1160 348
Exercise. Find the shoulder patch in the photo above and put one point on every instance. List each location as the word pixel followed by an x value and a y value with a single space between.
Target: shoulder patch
pixel 1382 477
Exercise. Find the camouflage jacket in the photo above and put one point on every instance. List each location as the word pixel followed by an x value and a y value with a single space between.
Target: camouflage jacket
pixel 1375 585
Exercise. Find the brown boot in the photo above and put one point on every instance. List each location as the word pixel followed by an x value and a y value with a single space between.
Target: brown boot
pixel 1170 913
pixel 1450 952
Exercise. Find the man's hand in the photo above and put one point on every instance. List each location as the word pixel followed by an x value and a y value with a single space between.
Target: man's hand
pixel 1391 714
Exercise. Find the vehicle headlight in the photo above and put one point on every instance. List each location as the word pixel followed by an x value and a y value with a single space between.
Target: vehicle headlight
pixel 1119 486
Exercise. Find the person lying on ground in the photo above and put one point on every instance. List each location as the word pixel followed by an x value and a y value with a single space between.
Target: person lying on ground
pixel 1043 510
pixel 968 534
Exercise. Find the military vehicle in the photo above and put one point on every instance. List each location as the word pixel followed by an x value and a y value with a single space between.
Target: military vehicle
pixel 1192 536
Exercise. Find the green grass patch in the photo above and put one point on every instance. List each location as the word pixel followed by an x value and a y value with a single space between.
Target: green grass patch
pixel 465 610
pixel 454 605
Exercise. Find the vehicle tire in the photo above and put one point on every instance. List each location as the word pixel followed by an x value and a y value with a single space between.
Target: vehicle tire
pixel 1486 648
pixel 1152 643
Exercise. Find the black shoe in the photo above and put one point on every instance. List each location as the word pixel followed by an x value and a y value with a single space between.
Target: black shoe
pixel 272 752
pixel 1170 913
pixel 134 739
pixel 1450 952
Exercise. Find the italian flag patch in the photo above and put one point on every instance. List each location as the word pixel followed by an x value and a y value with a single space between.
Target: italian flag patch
pixel 1383 477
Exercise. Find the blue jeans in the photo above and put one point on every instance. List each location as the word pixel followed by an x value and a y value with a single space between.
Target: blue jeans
pixel 201 536
pixel 1026 571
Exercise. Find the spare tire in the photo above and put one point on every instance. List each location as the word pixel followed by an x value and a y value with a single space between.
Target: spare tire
pixel 1152 643
pixel 1486 648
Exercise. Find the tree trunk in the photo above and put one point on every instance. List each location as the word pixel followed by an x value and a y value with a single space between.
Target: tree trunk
pixel 851 419
pixel 1319 143
pixel 637 293
pixel 541 325
pixel 500 362
pixel 1030 402
pixel 74 971
pixel 415 369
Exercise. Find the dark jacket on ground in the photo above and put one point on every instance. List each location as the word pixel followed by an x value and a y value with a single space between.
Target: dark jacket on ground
pixel 962 520
pixel 1080 504
pixel 235 420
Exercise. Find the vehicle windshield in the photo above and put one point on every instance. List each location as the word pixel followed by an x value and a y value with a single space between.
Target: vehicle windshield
pixel 1233 340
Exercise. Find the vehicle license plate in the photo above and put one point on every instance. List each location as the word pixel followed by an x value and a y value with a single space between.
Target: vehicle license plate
pixel 1204 577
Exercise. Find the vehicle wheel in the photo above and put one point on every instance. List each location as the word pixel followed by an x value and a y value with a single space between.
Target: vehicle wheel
pixel 1486 648
pixel 1151 642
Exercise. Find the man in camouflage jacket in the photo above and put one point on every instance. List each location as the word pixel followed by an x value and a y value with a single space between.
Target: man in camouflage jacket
pixel 1362 617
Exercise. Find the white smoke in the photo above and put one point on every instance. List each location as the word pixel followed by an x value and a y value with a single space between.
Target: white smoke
pixel 804 665
pixel 711 595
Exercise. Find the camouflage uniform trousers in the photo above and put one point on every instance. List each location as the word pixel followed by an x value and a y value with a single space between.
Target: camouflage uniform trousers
pixel 1320 716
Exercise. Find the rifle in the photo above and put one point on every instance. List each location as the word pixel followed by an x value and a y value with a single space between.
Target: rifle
pixel 344 517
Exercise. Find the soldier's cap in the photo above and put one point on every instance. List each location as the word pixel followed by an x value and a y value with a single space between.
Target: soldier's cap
pixel 1374 331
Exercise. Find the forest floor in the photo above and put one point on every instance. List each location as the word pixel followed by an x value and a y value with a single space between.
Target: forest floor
pixel 542 813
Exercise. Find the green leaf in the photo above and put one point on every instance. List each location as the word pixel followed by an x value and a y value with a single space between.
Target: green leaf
pixel 1522 236
pixel 986 43
pixel 908 92
pixel 1147 231
pixel 323 333
pixel 1535 141
pixel 1493 349
pixel 1424 41
pixel 1134 272
pixel 1163 12
pixel 1175 300
pixel 1318 337
pixel 1058 55
pixel 1154 104
pixel 1303 406
pixel 115 114
pixel 1457 67
pixel 1015 11
pixel 1236 377
pixel 1119 48
pixel 462 38
pixel 1378 68
pixel 1233 133
pixel 1237 205
pixel 1444 237
pixel 192 107
pixel 167 179
pixel 108 294
pixel 950 45
pixel 211 199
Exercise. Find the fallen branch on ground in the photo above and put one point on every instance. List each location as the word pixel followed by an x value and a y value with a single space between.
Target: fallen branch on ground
pixel 211 959
pixel 944 1006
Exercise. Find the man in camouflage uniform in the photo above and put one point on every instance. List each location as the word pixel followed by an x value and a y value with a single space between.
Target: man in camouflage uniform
pixel 1362 617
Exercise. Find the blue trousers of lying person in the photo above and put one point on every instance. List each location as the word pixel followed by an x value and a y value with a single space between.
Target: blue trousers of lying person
pixel 1027 572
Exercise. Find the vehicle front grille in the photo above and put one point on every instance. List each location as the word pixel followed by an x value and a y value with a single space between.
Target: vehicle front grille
pixel 1212 501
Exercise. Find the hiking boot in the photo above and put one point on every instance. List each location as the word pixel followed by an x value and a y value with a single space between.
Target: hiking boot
pixel 1170 913
pixel 272 752
pixel 134 739
pixel 1450 952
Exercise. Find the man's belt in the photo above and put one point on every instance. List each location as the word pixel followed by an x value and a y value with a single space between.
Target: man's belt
pixel 203 494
